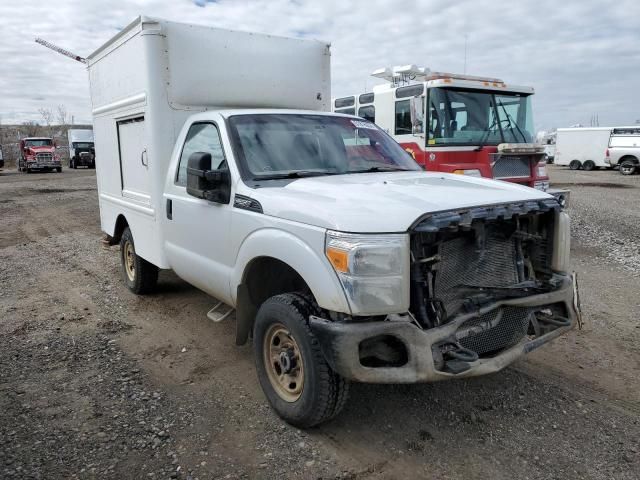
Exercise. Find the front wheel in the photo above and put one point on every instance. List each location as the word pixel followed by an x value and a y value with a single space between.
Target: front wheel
pixel 295 377
pixel 59 169
pixel 627 167
pixel 139 275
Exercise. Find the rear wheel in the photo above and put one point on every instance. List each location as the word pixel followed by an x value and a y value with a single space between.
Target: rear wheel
pixel 575 165
pixel 139 275
pixel 295 377
pixel 588 165
pixel 628 167
pixel 59 169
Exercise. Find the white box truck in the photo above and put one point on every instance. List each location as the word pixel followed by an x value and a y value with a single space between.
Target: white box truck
pixel 81 148
pixel 582 147
pixel 342 258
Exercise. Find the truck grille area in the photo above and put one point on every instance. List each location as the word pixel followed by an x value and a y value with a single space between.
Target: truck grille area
pixel 467 260
pixel 511 166
pixel 465 267
pixel 46 158
pixel 495 331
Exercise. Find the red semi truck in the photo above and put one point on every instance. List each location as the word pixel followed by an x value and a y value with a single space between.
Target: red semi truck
pixel 38 153
pixel 456 123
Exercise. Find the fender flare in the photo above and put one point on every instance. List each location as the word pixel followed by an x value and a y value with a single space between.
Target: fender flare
pixel 292 250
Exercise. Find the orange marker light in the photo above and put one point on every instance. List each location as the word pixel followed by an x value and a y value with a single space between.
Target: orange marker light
pixel 339 259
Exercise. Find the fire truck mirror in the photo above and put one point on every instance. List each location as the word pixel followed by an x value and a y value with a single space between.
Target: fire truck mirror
pixel 417 116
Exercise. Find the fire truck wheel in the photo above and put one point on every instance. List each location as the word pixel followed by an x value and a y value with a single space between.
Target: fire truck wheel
pixel 588 165
pixel 575 165
pixel 139 275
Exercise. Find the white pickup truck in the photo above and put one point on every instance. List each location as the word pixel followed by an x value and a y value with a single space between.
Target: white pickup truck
pixel 343 259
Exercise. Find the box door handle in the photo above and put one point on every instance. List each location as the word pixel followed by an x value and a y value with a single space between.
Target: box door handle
pixel 169 209
pixel 143 158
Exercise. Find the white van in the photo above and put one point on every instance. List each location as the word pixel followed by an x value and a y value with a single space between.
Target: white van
pixel 217 159
pixel 582 147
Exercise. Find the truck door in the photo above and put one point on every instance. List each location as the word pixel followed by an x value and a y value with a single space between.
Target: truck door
pixel 134 162
pixel 197 230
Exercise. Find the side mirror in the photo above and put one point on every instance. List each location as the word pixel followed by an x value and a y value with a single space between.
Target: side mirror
pixel 202 182
pixel 417 115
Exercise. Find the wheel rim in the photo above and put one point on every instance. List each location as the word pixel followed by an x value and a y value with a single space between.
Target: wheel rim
pixel 627 169
pixel 283 362
pixel 129 260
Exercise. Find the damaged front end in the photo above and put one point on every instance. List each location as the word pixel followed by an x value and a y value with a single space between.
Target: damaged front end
pixel 487 285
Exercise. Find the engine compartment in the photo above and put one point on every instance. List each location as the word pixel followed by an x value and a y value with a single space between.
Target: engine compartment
pixel 462 262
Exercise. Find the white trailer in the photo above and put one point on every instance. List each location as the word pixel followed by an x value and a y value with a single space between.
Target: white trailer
pixel 582 148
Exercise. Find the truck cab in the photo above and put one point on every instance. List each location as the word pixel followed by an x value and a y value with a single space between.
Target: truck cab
pixel 623 149
pixel 454 123
pixel 38 153
pixel 336 254
pixel 81 148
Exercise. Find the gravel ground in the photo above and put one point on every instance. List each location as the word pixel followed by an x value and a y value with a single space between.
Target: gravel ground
pixel 98 383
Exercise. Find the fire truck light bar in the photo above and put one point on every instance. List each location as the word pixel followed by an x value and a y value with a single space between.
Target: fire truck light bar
pixel 402 73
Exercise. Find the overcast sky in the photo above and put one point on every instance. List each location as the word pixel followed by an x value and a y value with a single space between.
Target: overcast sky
pixel 582 57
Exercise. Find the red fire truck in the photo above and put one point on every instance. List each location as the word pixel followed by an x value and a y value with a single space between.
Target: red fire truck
pixel 474 125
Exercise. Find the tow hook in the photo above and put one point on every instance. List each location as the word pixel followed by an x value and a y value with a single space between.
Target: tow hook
pixel 453 357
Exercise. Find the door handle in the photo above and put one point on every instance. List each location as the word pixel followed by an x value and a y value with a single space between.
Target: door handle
pixel 143 155
pixel 169 209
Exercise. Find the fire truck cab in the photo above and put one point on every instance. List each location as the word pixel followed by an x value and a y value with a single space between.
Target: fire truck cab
pixel 456 123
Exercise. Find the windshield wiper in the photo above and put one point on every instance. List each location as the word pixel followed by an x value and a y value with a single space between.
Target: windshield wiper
pixel 511 122
pixel 294 174
pixel 380 169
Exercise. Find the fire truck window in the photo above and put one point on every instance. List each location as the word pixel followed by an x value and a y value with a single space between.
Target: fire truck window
pixel 368 113
pixel 346 111
pixel 366 98
pixel 344 102
pixel 410 91
pixel 403 118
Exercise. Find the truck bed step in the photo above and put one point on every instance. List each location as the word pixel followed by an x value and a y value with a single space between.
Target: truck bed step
pixel 220 312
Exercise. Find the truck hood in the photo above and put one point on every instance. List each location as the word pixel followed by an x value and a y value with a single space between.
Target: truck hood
pixel 383 202
pixel 40 149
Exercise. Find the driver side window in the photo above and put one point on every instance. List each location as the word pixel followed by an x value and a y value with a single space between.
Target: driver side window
pixel 201 137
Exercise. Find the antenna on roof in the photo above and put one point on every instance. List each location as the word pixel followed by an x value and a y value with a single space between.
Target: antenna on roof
pixel 60 50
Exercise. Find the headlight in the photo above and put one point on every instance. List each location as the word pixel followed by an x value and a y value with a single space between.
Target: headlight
pixel 474 172
pixel 373 270
pixel 561 258
pixel 541 185
pixel 542 170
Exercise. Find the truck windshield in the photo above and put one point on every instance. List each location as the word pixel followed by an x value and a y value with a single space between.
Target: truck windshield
pixel 39 142
pixel 474 117
pixel 270 146
pixel 82 145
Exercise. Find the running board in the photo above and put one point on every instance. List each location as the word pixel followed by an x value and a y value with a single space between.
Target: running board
pixel 218 314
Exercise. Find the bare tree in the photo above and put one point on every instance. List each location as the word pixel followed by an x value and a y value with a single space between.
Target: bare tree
pixel 61 115
pixel 31 128
pixel 47 116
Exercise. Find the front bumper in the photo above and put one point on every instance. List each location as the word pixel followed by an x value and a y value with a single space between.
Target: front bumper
pixel 341 341
pixel 43 166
